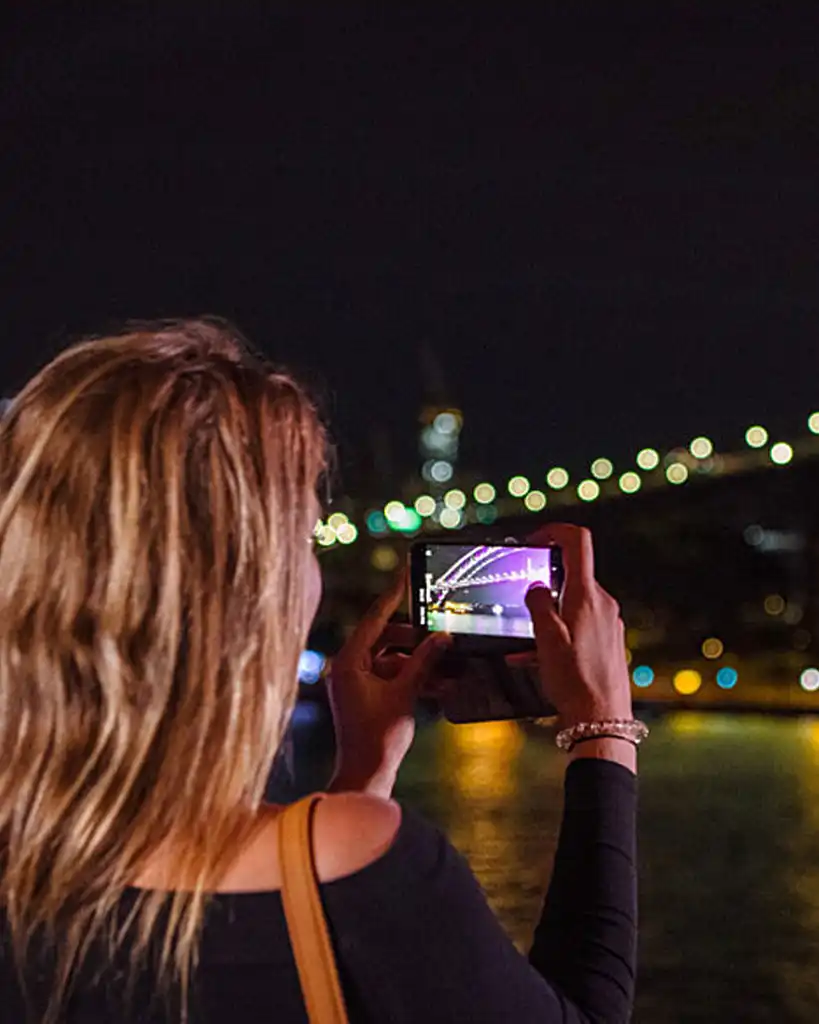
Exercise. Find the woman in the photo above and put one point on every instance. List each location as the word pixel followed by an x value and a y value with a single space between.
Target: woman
pixel 157 504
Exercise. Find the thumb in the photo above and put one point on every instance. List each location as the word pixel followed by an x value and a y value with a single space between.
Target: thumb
pixel 421 664
pixel 551 632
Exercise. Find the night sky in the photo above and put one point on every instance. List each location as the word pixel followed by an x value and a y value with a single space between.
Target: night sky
pixel 604 225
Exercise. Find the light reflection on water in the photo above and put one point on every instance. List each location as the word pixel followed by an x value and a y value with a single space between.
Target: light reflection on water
pixel 729 852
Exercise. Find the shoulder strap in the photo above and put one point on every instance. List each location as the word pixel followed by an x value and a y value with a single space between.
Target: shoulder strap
pixel 309 937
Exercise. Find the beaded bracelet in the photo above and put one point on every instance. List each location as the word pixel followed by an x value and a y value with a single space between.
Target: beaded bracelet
pixel 631 729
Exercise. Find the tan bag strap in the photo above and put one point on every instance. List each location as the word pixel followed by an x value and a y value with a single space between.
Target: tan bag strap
pixel 309 937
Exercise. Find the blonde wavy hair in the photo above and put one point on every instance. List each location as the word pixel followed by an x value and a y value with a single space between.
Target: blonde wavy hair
pixel 157 499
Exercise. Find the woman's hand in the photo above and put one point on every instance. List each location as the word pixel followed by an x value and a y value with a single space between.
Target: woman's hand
pixel 373 699
pixel 581 646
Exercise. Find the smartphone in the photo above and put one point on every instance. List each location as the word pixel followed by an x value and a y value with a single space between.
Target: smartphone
pixel 476 593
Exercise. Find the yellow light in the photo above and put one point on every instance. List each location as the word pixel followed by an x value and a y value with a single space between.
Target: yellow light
pixel 425 505
pixel 455 499
pixel 677 473
pixel 588 490
pixel 346 533
pixel 535 501
pixel 756 437
pixel 781 453
pixel 518 486
pixel 384 558
pixel 774 604
pixel 337 519
pixel 450 518
pixel 484 494
pixel 712 648
pixel 630 483
pixel 648 459
pixel 687 681
pixel 394 511
pixel 557 478
pixel 602 469
pixel 813 423
pixel 326 536
pixel 701 447
pixel 629 656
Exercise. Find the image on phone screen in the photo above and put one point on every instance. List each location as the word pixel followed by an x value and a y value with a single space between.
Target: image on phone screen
pixel 480 590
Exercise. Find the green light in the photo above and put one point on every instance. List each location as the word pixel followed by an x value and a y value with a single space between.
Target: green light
pixel 425 505
pixel 756 437
pixel 486 514
pixel 648 459
pixel 813 423
pixel 781 453
pixel 394 511
pixel 588 490
pixel 602 469
pixel 535 501
pixel 455 499
pixel 484 494
pixel 630 482
pixel 518 486
pixel 409 522
pixel 701 447
pixel 557 478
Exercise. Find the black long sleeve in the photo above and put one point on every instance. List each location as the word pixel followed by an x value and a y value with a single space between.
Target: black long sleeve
pixel 415 938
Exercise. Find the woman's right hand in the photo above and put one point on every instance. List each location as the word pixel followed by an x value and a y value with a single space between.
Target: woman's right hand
pixel 580 647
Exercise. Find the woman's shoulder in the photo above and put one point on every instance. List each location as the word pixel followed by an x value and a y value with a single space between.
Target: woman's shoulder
pixel 353 831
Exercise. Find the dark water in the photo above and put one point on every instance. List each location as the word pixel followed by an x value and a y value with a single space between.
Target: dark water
pixel 729 850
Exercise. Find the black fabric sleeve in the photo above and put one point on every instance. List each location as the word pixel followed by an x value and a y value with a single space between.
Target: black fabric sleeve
pixel 426 945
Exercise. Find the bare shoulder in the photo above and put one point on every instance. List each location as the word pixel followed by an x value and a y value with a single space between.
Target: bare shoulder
pixel 351 830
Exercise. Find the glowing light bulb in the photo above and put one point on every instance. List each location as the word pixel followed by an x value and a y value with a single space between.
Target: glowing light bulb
pixel 518 486
pixel 394 511
pixel 687 681
pixel 813 423
pixel 643 676
pixel 425 505
pixel 455 499
pixel 450 518
pixel 630 483
pixel 337 519
pixel 535 501
pixel 588 490
pixel 677 473
pixel 781 453
pixel 446 423
pixel 648 459
pixel 701 447
pixel 326 536
pixel 484 494
pixel 727 678
pixel 557 478
pixel 756 437
pixel 602 469
pixel 441 471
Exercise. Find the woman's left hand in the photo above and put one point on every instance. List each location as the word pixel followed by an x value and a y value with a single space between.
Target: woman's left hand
pixel 373 699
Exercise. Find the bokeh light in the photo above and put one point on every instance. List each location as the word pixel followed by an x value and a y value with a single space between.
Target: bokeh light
pixel 756 437
pixel 486 514
pixel 813 423
pixel 446 423
pixel 648 458
pixel 451 518
pixel 535 501
pixel 712 648
pixel 518 486
pixel 588 490
pixel 754 535
pixel 425 505
pixel 441 471
pixel 311 665
pixel 376 522
pixel 630 482
pixel 346 533
pixel 455 499
pixel 781 453
pixel 484 493
pixel 809 680
pixel 384 558
pixel 557 478
pixel 337 519
pixel 774 604
pixel 326 536
pixel 643 676
pixel 394 511
pixel 701 447
pixel 727 677
pixel 687 681
pixel 602 469
pixel 676 473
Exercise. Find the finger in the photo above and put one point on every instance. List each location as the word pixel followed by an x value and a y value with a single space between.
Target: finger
pixel 370 628
pixel 388 666
pixel 577 549
pixel 420 666
pixel 401 635
pixel 524 659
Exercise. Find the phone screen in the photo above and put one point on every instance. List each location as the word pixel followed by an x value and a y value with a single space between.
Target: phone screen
pixel 480 589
